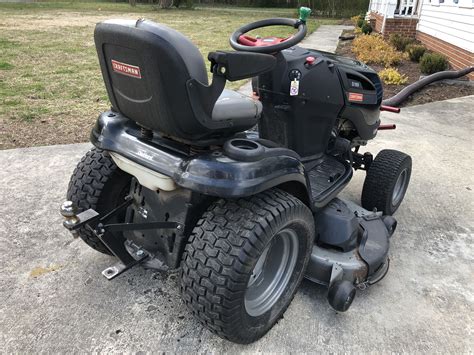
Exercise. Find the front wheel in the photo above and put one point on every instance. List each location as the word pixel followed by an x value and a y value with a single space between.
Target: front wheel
pixel 244 262
pixel 387 181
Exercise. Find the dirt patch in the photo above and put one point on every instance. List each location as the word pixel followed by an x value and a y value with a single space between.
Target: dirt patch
pixel 39 270
pixel 431 93
pixel 437 92
pixel 57 19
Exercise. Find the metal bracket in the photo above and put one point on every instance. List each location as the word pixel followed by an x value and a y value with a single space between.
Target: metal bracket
pixel 336 273
pixel 362 161
pixel 121 227
pixel 120 267
pixel 117 245
pixel 113 242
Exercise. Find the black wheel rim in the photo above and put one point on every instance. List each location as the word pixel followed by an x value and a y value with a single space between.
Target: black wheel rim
pixel 272 273
pixel 400 187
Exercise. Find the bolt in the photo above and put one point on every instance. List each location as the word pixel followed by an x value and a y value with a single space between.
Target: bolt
pixel 140 253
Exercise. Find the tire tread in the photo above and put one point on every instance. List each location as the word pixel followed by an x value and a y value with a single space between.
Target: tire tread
pixel 377 188
pixel 86 185
pixel 215 263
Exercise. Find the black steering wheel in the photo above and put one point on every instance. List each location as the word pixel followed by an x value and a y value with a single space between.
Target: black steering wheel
pixel 242 42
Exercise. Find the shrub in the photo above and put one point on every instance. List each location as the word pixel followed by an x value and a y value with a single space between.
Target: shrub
pixel 360 22
pixel 391 76
pixel 432 63
pixel 373 49
pixel 400 42
pixel 366 28
pixel 415 51
pixel 355 19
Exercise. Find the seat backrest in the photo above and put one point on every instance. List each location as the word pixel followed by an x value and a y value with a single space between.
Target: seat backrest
pixel 145 67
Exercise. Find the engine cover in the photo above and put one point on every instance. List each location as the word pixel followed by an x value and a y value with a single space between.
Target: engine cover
pixel 308 90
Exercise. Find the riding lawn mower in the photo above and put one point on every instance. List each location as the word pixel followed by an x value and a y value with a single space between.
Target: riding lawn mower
pixel 238 193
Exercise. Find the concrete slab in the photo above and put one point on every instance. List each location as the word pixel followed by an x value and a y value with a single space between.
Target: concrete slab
pixel 54 298
pixel 325 38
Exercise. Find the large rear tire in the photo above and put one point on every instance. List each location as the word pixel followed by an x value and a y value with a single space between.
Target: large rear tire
pixel 244 262
pixel 99 184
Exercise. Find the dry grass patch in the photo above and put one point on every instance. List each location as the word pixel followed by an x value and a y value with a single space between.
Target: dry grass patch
pixel 51 88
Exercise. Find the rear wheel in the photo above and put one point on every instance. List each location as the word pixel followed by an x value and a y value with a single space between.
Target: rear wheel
pixel 387 181
pixel 99 184
pixel 244 262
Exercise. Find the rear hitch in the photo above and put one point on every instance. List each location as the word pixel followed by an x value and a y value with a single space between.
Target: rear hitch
pixel 128 253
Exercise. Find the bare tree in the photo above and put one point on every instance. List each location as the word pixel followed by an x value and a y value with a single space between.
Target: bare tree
pixel 166 4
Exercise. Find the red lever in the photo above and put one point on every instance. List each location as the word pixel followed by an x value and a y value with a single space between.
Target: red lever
pixel 390 109
pixel 384 127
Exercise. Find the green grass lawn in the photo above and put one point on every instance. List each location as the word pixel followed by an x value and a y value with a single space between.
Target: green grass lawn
pixel 51 89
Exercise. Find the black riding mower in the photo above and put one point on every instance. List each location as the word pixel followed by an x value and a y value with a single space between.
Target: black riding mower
pixel 180 178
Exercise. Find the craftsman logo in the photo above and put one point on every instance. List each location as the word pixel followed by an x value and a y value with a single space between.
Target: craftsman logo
pixel 355 97
pixel 126 69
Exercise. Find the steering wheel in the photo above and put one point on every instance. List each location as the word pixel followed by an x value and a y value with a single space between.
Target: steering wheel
pixel 242 42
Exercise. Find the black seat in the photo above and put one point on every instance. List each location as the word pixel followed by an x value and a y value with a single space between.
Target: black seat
pixel 156 77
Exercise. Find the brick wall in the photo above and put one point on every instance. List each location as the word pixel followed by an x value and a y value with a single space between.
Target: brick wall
pixel 404 26
pixel 376 21
pixel 458 58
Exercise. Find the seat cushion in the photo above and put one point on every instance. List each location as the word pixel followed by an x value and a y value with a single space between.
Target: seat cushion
pixel 232 105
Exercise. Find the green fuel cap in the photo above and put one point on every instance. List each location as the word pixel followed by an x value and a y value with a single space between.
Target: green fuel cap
pixel 304 13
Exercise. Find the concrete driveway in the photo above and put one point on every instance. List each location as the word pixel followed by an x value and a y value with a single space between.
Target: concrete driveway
pixel 54 298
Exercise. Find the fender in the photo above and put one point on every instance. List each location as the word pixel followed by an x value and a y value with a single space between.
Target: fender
pixel 211 172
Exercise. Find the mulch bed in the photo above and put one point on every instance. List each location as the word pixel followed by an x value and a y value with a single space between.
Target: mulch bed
pixel 430 93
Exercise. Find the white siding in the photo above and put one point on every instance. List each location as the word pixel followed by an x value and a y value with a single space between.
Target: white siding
pixel 450 22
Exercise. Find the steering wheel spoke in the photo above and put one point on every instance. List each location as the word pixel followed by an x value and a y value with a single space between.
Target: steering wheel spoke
pixel 247 40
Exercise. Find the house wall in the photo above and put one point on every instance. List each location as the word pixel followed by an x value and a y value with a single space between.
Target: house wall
pixel 448 28
pixel 404 26
pixel 458 58
pixel 449 22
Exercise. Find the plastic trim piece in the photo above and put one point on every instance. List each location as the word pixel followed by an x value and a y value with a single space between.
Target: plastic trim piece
pixel 211 173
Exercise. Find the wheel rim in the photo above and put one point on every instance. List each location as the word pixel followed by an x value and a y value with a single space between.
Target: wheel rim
pixel 272 272
pixel 400 186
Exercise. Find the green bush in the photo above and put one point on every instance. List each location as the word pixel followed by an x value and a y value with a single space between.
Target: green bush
pixel 366 28
pixel 400 42
pixel 432 63
pixel 415 51
pixel 360 22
